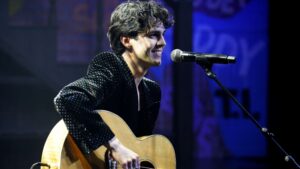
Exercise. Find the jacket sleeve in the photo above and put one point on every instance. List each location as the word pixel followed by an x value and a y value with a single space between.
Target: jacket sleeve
pixel 76 103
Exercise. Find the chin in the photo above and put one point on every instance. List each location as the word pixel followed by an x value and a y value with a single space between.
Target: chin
pixel 156 62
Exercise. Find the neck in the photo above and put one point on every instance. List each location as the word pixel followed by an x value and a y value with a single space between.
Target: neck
pixel 136 68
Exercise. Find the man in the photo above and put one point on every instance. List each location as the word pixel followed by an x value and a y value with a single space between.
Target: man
pixel 115 81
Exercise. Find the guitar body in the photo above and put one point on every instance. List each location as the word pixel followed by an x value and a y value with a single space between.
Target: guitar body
pixel 61 152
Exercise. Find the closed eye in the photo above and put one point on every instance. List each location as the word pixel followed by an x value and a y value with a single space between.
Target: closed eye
pixel 155 34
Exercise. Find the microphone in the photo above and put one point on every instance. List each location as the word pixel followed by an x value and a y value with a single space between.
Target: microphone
pixel 181 56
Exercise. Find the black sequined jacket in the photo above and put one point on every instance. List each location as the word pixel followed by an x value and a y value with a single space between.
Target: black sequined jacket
pixel 108 85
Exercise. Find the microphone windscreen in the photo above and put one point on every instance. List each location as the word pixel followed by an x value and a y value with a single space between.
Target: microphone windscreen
pixel 176 55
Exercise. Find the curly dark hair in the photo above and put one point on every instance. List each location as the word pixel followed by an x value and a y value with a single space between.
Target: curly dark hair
pixel 133 17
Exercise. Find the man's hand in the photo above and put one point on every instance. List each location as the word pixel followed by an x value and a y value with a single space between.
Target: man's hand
pixel 125 157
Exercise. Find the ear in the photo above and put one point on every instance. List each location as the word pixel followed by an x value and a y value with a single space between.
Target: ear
pixel 125 40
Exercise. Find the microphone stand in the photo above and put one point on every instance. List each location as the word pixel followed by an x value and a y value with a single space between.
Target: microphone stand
pixel 207 67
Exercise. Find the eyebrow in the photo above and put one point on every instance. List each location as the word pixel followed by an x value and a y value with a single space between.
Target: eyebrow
pixel 156 32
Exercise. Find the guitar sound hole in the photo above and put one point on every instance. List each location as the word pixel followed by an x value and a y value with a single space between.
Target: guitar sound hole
pixel 146 164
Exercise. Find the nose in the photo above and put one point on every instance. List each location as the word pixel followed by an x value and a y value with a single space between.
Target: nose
pixel 161 41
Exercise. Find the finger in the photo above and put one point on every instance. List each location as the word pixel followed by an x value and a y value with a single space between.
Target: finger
pixel 134 165
pixel 137 163
pixel 125 166
pixel 130 164
pixel 114 164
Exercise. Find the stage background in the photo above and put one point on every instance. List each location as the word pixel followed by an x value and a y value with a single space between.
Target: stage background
pixel 44 45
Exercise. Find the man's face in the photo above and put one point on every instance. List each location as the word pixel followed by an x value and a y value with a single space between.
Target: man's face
pixel 147 47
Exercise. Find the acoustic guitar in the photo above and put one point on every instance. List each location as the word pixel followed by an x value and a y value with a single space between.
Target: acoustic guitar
pixel 61 152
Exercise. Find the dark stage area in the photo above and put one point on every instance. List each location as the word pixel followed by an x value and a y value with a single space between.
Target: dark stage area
pixel 31 76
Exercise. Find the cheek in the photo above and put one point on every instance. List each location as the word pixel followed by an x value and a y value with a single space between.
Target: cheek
pixel 144 45
pixel 141 47
pixel 148 43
